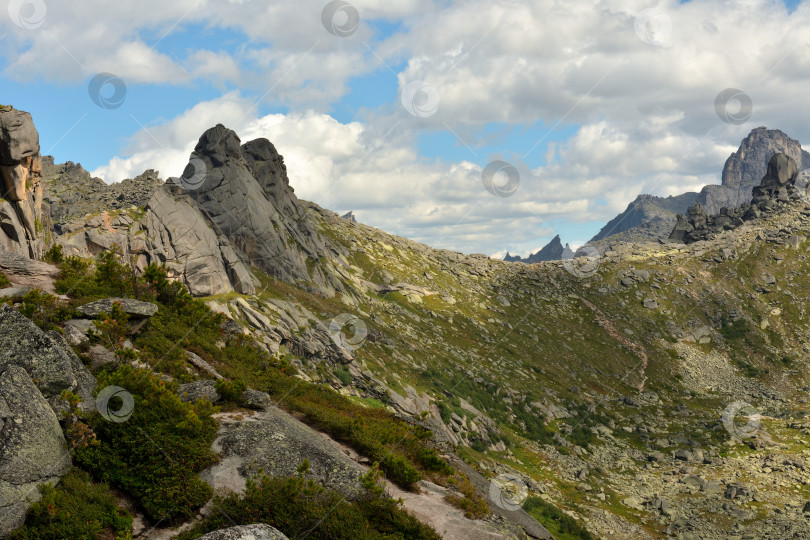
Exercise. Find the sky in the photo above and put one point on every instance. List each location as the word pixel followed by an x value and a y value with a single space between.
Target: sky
pixel 478 126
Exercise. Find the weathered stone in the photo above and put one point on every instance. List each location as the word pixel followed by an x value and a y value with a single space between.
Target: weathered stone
pixel 21 220
pixel 27 272
pixel 47 362
pixel 32 448
pixel 133 308
pixel 276 443
pixel 245 532
pixel 197 390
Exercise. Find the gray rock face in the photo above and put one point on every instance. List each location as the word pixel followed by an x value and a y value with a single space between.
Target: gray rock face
pixel 777 190
pixel 197 390
pixel 32 448
pixel 210 229
pixel 277 443
pixel 745 168
pixel 134 308
pixel 246 532
pixel 246 197
pixel 28 272
pixel 21 220
pixel 648 218
pixel 47 362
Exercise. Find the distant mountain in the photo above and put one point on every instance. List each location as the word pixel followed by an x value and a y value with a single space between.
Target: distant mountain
pixel 647 218
pixel 651 218
pixel 745 168
pixel 553 251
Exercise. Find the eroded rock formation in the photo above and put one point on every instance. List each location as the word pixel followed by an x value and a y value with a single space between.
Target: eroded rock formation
pixel 780 186
pixel 20 188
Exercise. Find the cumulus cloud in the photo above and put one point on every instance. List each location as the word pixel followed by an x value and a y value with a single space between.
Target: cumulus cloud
pixel 642 102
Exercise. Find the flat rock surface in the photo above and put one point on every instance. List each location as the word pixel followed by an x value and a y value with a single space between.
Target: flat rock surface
pixel 277 443
pixel 246 532
pixel 134 308
pixel 25 272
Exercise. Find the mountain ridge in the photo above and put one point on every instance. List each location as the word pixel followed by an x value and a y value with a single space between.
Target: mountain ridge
pixel 599 385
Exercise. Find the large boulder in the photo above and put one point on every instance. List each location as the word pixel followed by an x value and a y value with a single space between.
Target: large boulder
pixel 27 272
pixel 275 443
pixel 21 220
pixel 246 532
pixel 48 361
pixel 32 447
pixel 134 308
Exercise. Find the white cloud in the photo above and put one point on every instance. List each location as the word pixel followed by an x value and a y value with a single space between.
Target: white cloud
pixel 645 113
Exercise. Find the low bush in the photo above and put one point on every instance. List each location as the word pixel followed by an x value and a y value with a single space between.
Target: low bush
pixel 300 508
pixel 4 282
pixel 562 526
pixel 344 376
pixel 157 453
pixel 230 390
pixel 474 506
pixel 45 310
pixel 77 509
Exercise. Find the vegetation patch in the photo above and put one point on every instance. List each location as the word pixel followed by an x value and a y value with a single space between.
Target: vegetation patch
pixel 156 454
pixel 562 526
pixel 300 508
pixel 77 509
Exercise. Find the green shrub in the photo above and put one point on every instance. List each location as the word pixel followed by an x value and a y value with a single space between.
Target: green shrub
pixel 474 506
pixel 562 526
pixel 736 330
pixel 54 254
pixel 45 310
pixel 299 508
pixel 230 390
pixel 400 470
pixel 344 376
pixel 110 276
pixel 157 453
pixel 76 509
pixel 4 282
pixel 111 330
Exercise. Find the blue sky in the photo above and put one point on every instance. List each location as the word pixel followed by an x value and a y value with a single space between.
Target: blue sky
pixel 590 106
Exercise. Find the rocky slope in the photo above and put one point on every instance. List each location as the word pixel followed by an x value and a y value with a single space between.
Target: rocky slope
pixel 231 210
pixel 646 219
pixel 621 389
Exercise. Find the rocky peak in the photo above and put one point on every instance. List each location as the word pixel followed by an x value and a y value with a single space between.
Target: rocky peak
pixel 20 188
pixel 745 168
pixel 553 251
pixel 246 197
pixel 778 189
pixel 72 193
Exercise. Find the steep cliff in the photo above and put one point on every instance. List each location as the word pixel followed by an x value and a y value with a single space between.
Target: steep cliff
pixel 21 225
